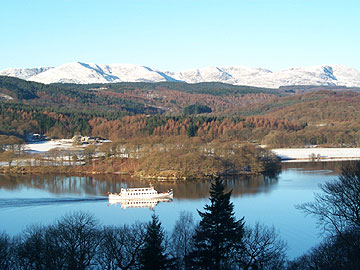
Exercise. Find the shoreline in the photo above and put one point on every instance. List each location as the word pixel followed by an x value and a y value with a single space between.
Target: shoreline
pixel 83 170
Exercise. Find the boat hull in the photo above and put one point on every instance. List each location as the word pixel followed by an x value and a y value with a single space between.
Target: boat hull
pixel 165 195
pixel 138 203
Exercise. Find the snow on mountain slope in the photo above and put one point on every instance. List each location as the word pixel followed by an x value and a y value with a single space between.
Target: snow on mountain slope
pixel 84 73
pixel 23 73
pixel 134 73
pixel 317 75
pixel 346 75
pixel 231 74
pixel 208 74
pixel 328 75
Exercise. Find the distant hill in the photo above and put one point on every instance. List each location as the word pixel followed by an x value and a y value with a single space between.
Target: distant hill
pixel 88 73
pixel 288 116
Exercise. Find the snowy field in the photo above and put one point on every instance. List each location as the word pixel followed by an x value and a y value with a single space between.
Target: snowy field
pixel 45 146
pixel 324 154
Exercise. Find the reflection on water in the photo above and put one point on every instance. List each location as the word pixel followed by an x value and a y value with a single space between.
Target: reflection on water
pixel 332 167
pixel 101 185
pixel 197 189
pixel 138 203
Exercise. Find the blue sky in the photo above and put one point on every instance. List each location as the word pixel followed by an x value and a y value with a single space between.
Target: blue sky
pixel 180 34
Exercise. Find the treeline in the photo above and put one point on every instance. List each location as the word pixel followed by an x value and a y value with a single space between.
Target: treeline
pixel 331 119
pixel 212 88
pixel 11 148
pixel 19 119
pixel 175 157
pixel 186 158
pixel 207 127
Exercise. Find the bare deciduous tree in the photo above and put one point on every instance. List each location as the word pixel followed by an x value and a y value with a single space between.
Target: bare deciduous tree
pixel 337 252
pixel 263 249
pixel 78 236
pixel 120 247
pixel 5 251
pixel 182 238
pixel 337 208
pixel 30 248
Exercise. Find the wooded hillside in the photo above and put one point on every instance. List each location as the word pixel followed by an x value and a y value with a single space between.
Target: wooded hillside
pixel 276 117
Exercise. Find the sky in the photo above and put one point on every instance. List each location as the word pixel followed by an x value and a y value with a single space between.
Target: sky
pixel 177 35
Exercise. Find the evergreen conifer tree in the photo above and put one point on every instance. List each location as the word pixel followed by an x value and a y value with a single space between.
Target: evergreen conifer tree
pixel 219 233
pixel 152 255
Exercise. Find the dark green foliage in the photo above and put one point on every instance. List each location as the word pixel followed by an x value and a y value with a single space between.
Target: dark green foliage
pixel 18 88
pixel 69 96
pixel 152 255
pixel 219 233
pixel 197 109
pixel 154 122
pixel 211 88
pixel 191 130
pixel 272 164
pixel 43 120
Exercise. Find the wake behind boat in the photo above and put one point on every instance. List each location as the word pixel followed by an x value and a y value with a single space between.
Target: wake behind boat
pixel 140 193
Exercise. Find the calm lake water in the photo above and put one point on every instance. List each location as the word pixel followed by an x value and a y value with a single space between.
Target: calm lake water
pixel 26 200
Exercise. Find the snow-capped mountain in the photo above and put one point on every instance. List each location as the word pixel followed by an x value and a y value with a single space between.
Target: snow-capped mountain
pixel 231 75
pixel 23 73
pixel 317 75
pixel 330 75
pixel 84 73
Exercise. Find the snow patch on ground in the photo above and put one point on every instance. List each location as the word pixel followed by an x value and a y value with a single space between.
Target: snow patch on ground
pixel 45 146
pixel 325 154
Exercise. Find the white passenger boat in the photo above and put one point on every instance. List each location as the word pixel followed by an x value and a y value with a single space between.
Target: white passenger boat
pixel 140 193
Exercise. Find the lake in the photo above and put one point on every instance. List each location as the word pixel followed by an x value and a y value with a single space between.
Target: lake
pixel 26 200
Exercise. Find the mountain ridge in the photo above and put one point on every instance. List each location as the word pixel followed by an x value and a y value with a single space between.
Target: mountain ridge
pixel 86 73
